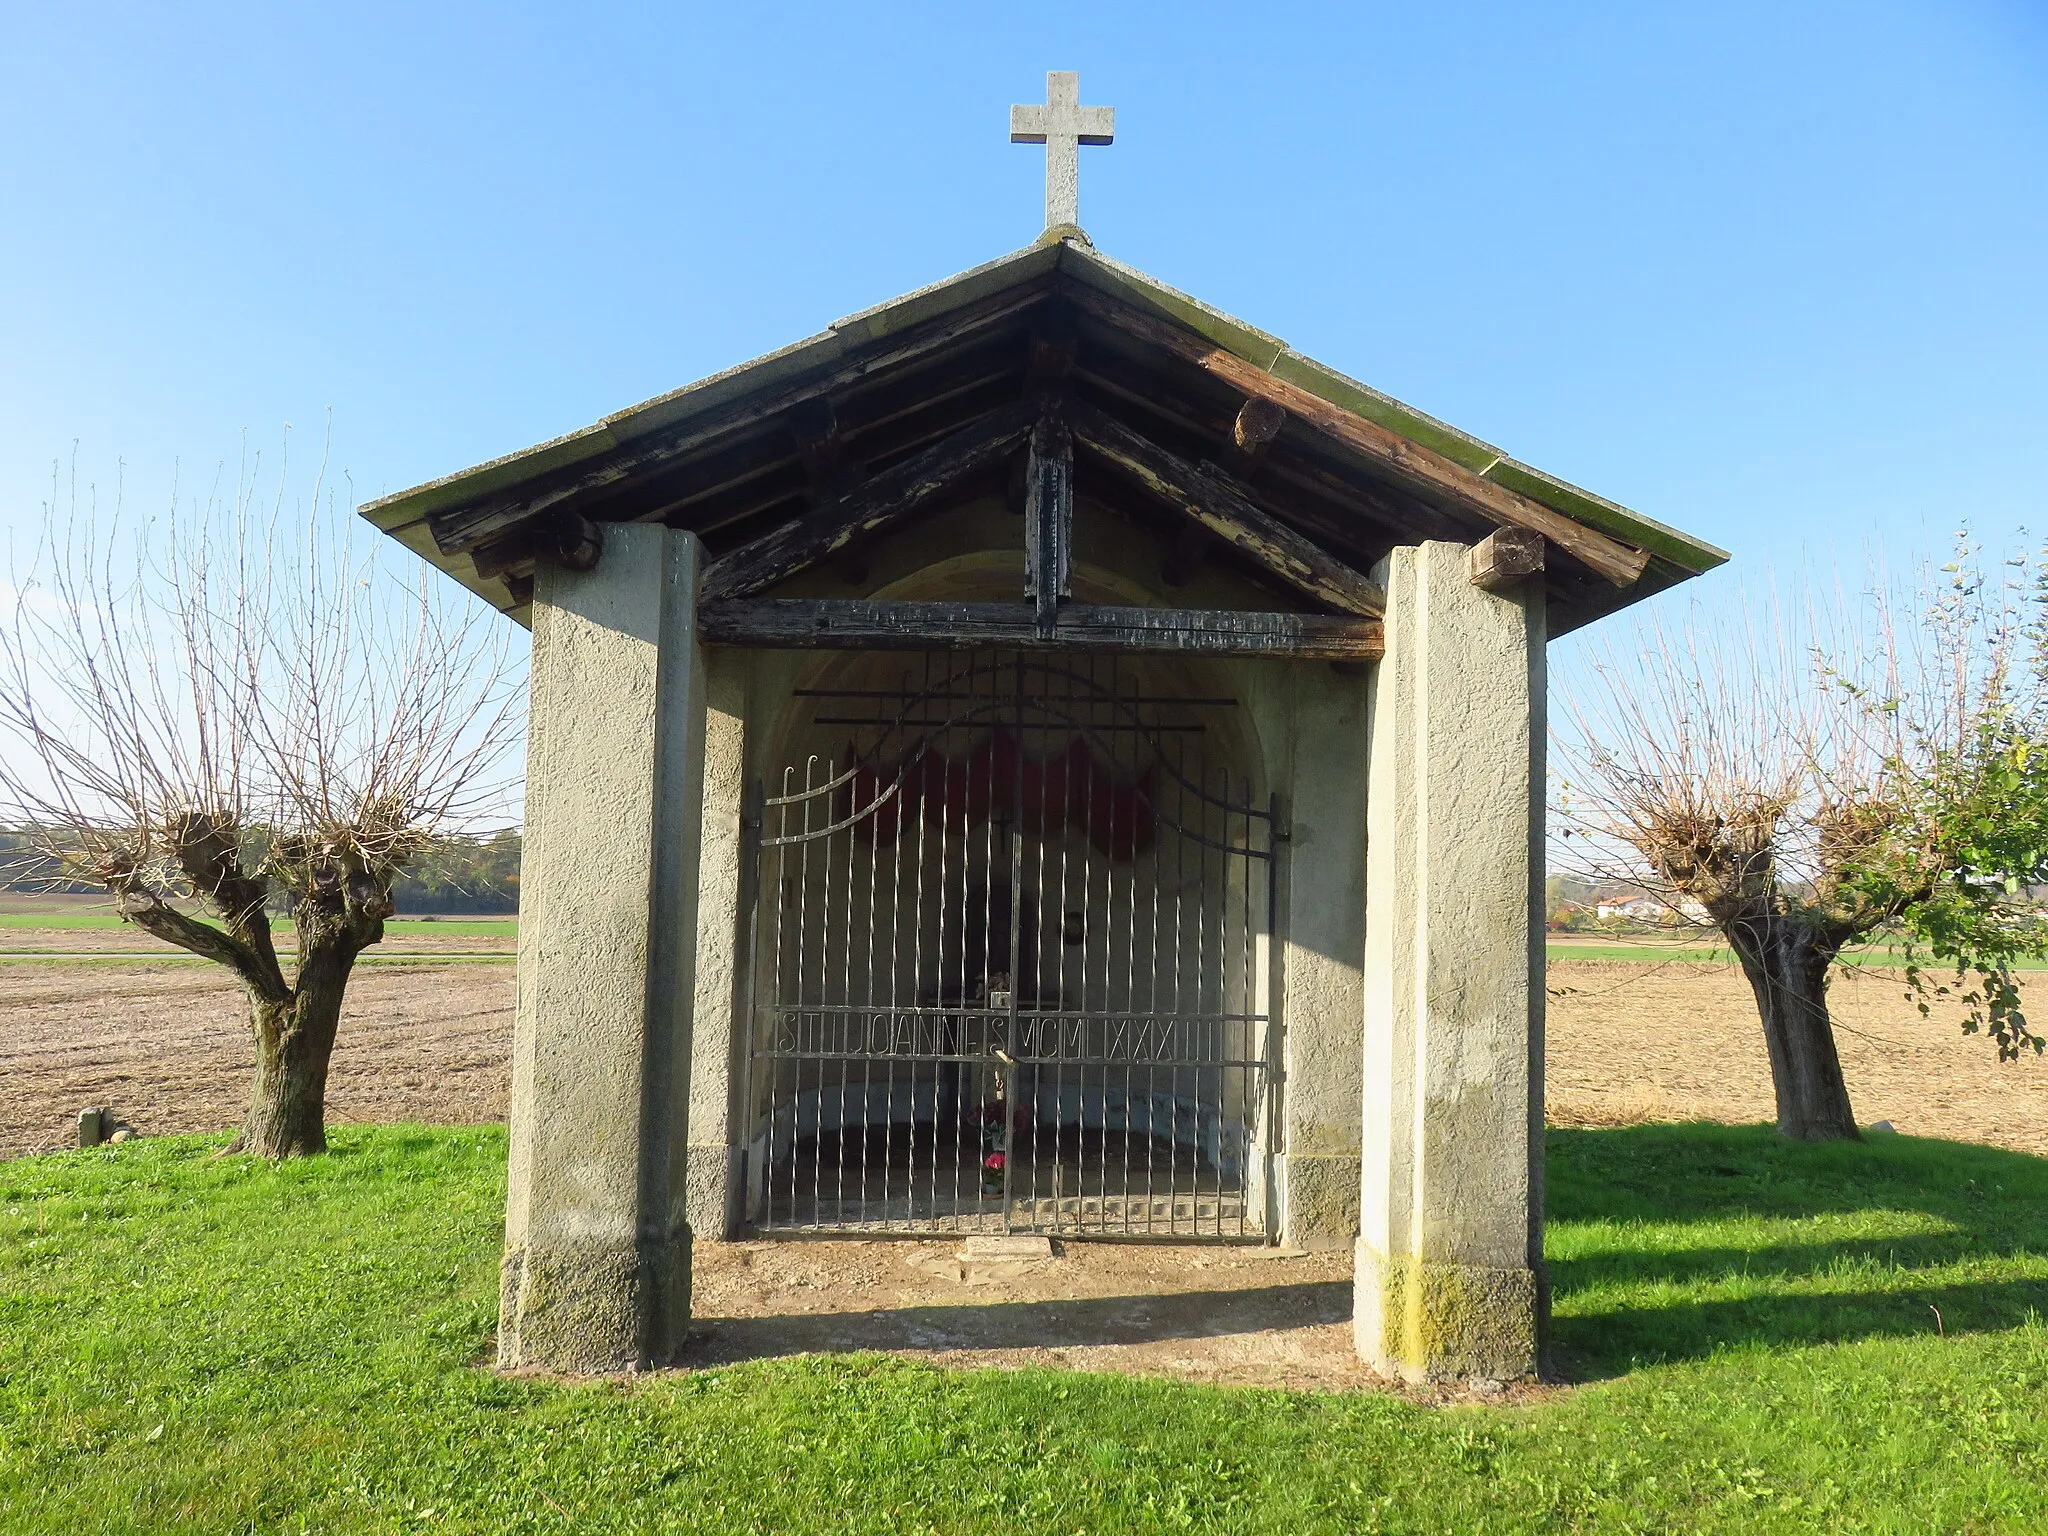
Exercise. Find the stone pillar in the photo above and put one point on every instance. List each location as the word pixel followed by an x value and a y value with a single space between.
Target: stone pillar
pixel 597 1248
pixel 715 1181
pixel 1449 1250
pixel 1322 959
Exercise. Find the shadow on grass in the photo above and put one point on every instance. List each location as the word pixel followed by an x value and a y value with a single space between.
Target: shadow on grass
pixel 1656 1253
pixel 1064 1324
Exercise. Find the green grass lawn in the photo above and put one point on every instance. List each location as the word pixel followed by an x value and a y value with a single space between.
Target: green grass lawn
pixel 190 1344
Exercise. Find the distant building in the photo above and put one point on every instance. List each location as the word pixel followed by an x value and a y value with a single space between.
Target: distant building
pixel 1650 909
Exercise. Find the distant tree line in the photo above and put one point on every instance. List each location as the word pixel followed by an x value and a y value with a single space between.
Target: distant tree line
pixel 462 875
pixel 25 867
pixel 453 875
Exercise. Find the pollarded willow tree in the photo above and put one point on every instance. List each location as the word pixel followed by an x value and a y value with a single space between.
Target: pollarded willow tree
pixel 231 711
pixel 1802 784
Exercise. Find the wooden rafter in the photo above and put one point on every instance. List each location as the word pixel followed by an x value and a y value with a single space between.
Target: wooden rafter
pixel 830 471
pixel 772 475
pixel 1224 505
pixel 460 529
pixel 875 503
pixel 568 539
pixel 1390 513
pixel 1506 558
pixel 1049 517
pixel 855 624
pixel 1620 563
pixel 820 447
pixel 1050 357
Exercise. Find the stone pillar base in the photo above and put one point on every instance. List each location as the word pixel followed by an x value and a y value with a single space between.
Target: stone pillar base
pixel 715 1193
pixel 591 1308
pixel 1425 1320
pixel 1321 1205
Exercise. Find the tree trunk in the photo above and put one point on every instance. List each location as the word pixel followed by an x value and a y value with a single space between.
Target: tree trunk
pixel 294 1040
pixel 1787 964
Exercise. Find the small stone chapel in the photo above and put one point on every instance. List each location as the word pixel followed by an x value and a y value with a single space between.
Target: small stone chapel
pixel 1038 757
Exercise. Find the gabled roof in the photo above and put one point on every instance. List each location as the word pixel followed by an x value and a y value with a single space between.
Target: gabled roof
pixel 748 451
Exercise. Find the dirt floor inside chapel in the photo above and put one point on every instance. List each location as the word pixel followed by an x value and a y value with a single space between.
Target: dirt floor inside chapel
pixel 165 1045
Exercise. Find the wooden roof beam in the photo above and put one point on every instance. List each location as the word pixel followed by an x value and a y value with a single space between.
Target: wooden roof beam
pixel 568 540
pixel 882 499
pixel 459 529
pixel 1223 504
pixel 862 624
pixel 1346 498
pixel 1258 423
pixel 1620 563
pixel 820 447
pixel 829 472
pixel 1049 516
pixel 1506 558
pixel 771 471
pixel 1050 357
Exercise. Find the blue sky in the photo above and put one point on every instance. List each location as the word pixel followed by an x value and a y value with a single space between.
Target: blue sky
pixel 1772 273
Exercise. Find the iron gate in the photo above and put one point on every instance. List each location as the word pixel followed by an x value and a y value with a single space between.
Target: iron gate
pixel 1010 968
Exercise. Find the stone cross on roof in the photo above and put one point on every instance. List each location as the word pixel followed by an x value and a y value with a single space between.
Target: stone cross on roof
pixel 1062 125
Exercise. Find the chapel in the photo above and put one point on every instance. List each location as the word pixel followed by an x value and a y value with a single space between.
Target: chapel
pixel 1041 756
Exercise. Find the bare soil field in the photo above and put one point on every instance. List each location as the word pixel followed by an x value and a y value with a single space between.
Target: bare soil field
pixel 126 941
pixel 166 1046
pixel 1629 1043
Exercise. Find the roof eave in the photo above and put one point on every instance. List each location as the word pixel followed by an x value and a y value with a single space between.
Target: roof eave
pixel 1269 352
pixel 404 514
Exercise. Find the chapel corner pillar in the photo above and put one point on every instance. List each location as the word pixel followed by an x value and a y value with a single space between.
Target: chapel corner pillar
pixel 1322 945
pixel 596 1272
pixel 1449 1263
pixel 716 1182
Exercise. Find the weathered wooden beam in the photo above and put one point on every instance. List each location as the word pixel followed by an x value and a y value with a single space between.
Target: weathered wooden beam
pixel 459 529
pixel 567 539
pixel 1222 504
pixel 1385 506
pixel 1322 494
pixel 872 505
pixel 1620 563
pixel 820 446
pixel 855 624
pixel 577 542
pixel 1506 558
pixel 1317 500
pixel 712 513
pixel 1050 357
pixel 1049 518
pixel 829 471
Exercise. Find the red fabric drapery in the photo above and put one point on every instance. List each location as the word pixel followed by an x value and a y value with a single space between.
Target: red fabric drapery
pixel 1074 788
